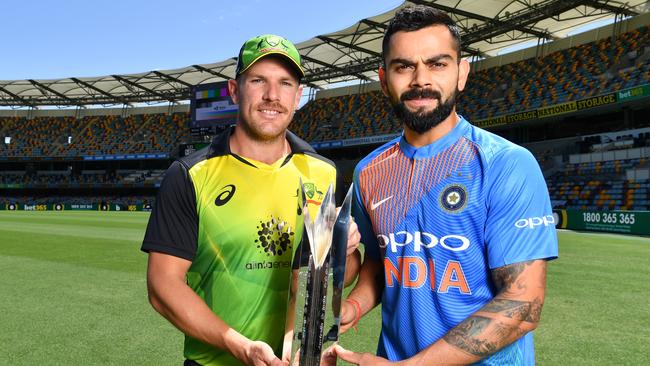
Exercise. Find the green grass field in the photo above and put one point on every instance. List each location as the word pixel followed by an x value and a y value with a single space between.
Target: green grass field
pixel 73 291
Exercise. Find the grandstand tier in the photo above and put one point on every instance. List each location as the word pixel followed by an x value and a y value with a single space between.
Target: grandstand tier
pixel 582 110
pixel 585 76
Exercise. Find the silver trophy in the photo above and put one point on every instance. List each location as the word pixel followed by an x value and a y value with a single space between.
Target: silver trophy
pixel 311 320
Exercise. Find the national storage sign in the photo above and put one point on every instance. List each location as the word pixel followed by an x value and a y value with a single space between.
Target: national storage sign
pixel 568 107
pixel 534 114
pixel 557 109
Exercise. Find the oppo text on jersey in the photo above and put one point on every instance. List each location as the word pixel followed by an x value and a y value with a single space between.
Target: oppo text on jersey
pixel 420 239
pixel 533 222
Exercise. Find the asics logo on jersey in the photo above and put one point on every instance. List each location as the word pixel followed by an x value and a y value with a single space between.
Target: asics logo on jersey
pixel 226 194
pixel 419 240
pixel 533 222
pixel 374 205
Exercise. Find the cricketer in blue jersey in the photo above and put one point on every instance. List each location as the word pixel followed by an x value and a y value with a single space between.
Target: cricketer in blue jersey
pixel 456 221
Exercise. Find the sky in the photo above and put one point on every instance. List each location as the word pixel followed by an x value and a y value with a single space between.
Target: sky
pixel 45 39
pixel 56 39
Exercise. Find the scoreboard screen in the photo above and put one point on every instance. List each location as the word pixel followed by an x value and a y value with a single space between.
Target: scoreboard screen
pixel 211 107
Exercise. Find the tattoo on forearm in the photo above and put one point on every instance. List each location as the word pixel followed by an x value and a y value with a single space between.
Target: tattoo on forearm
pixel 505 331
pixel 507 276
pixel 510 308
pixel 502 330
pixel 483 335
pixel 507 280
pixel 464 336
pixel 519 310
pixel 535 313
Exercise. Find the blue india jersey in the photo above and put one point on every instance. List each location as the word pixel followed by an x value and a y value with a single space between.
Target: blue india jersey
pixel 440 218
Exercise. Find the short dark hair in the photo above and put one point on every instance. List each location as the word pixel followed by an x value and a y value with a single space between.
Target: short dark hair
pixel 413 18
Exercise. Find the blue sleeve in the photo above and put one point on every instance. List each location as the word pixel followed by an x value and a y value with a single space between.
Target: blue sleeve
pixel 368 237
pixel 520 224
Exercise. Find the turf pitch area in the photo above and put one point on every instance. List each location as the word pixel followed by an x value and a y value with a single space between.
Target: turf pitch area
pixel 73 290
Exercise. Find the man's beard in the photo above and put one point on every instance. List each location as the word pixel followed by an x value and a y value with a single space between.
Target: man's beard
pixel 255 131
pixel 422 121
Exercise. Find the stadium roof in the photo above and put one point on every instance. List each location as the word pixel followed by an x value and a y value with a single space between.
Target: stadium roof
pixel 487 26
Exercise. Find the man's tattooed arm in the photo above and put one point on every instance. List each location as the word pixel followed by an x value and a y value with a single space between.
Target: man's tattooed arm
pixel 514 311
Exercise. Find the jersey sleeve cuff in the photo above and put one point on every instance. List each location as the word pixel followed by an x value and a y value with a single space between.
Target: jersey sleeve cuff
pixel 149 246
pixel 547 257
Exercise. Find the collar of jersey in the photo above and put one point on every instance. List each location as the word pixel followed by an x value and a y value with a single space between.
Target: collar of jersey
pixel 264 166
pixel 221 144
pixel 437 146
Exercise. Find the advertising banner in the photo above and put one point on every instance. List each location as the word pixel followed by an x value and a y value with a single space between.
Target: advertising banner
pixel 624 222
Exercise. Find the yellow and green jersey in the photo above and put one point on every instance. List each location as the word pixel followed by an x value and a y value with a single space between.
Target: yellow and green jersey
pixel 239 222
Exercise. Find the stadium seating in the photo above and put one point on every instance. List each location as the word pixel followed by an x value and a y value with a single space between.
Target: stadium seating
pixel 572 74
pixel 55 178
pixel 85 200
pixel 599 186
pixel 95 135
